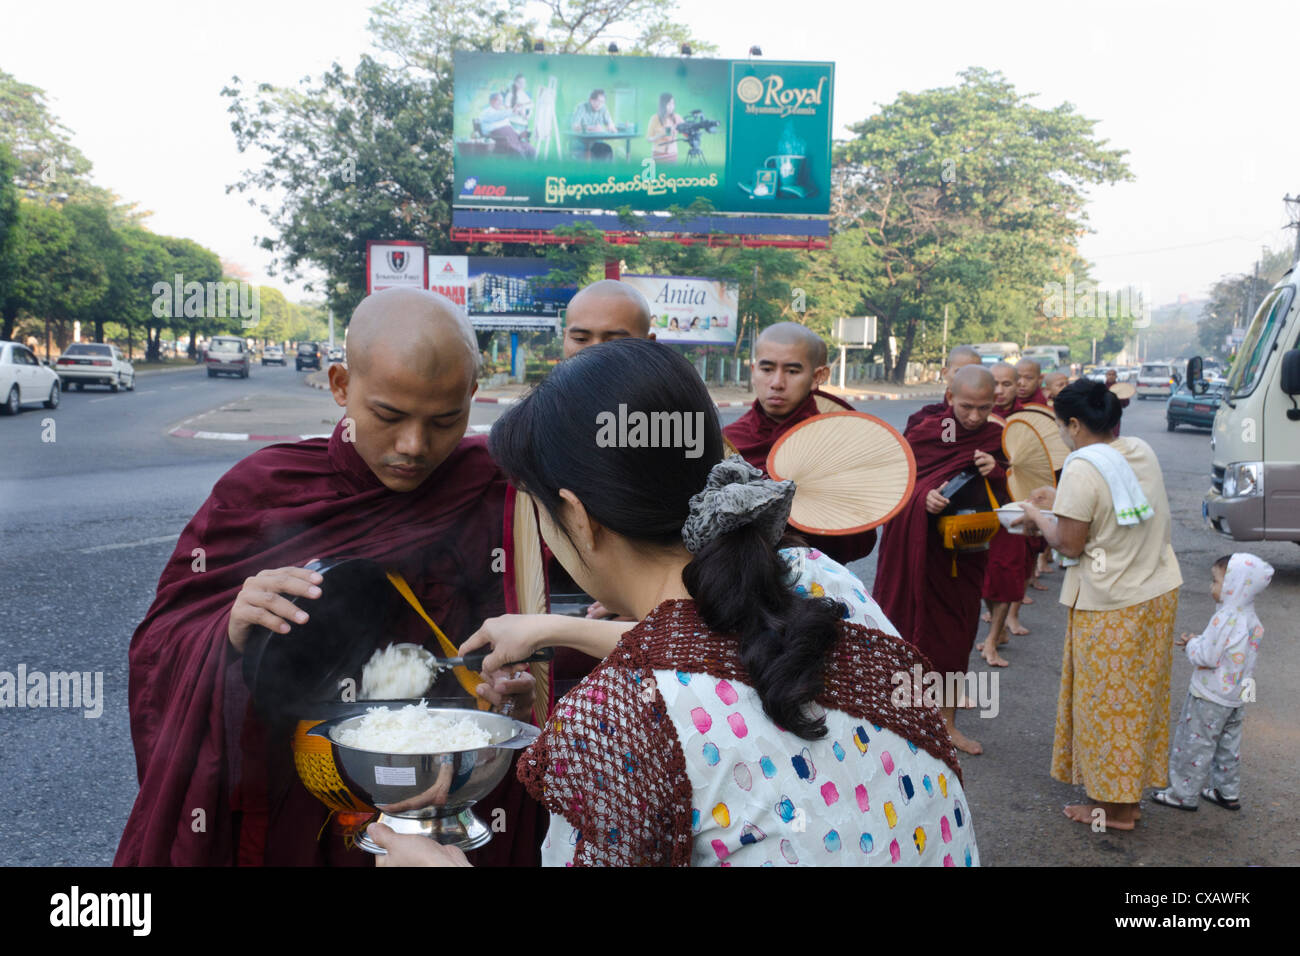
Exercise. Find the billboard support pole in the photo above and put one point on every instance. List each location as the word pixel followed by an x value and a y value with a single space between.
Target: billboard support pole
pixel 612 269
pixel 514 354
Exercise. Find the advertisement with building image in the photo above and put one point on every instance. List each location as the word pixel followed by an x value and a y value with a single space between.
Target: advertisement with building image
pixel 690 311
pixel 604 132
pixel 501 292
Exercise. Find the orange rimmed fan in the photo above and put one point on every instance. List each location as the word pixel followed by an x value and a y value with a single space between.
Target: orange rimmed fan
pixel 1031 462
pixel 851 471
pixel 1043 420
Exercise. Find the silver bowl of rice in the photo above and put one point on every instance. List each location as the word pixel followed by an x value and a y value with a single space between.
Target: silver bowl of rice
pixel 425 767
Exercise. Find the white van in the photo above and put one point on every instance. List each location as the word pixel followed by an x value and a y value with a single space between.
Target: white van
pixel 1255 447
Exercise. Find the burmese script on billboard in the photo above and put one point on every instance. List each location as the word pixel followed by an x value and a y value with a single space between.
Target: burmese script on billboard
pixel 606 132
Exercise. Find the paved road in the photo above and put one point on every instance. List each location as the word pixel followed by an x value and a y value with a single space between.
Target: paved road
pixel 87 521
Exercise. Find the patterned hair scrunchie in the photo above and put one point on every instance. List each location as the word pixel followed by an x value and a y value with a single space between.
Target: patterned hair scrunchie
pixel 735 495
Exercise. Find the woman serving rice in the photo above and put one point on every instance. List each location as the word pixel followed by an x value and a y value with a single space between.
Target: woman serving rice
pixel 737 722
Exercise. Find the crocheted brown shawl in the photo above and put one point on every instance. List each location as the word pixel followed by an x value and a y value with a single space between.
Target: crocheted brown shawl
pixel 609 760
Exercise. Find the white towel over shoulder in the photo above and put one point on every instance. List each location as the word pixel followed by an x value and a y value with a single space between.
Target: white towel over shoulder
pixel 1131 505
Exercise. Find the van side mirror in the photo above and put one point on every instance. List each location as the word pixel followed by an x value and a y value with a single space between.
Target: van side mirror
pixel 1195 371
pixel 1291 372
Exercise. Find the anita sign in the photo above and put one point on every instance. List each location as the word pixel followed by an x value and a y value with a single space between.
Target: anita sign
pixel 689 310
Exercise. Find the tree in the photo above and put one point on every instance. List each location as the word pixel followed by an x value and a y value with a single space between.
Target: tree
pixel 53 279
pixel 969 192
pixel 1232 298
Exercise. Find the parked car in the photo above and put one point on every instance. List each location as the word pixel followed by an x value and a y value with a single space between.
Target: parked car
pixel 336 354
pixel 1186 407
pixel 1157 378
pixel 95 363
pixel 24 380
pixel 1098 374
pixel 273 355
pixel 308 356
pixel 230 355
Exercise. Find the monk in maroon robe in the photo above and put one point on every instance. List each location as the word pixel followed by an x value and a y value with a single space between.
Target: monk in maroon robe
pixel 1004 576
pixel 915 585
pixel 790 361
pixel 1029 384
pixel 398 483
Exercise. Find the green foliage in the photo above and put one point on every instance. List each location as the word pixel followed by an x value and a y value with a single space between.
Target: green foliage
pixel 967 196
pixel 1233 297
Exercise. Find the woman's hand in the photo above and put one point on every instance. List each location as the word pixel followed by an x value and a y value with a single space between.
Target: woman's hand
pixel 510 691
pixel 512 637
pixel 412 850
pixel 1043 497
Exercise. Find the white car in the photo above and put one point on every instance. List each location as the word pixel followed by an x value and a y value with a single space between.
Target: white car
pixel 24 380
pixel 95 363
pixel 1157 378
pixel 273 355
pixel 336 354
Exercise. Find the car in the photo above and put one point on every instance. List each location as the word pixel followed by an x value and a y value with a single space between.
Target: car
pixel 308 356
pixel 336 354
pixel 1186 407
pixel 229 355
pixel 1157 378
pixel 1098 374
pixel 24 380
pixel 273 355
pixel 94 363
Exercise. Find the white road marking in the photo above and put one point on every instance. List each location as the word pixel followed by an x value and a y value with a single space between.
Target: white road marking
pixel 130 544
pixel 94 400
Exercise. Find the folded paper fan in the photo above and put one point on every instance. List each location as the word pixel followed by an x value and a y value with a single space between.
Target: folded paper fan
pixel 1123 390
pixel 526 585
pixel 728 449
pixel 852 472
pixel 1043 421
pixel 1031 464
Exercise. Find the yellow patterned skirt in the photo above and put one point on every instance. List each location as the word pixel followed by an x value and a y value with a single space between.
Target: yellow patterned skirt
pixel 1112 717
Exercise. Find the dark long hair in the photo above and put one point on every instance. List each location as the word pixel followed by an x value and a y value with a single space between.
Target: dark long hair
pixel 740 584
pixel 1095 406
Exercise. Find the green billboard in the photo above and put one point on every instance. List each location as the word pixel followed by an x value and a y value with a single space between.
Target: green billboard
pixel 603 132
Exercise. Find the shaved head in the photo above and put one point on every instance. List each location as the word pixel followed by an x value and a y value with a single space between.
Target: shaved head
pixel 960 357
pixel 1053 382
pixel 423 330
pixel 1029 376
pixel 602 312
pixel 411 375
pixel 789 362
pixel 970 393
pixel 1004 382
pixel 792 333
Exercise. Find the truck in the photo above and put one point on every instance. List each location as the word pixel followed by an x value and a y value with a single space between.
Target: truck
pixel 1254 490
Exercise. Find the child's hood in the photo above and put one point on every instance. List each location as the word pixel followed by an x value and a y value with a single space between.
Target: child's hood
pixel 1247 575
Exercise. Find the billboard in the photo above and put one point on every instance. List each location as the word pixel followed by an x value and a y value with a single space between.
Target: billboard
pixel 602 132
pixel 689 311
pixel 501 292
pixel 394 263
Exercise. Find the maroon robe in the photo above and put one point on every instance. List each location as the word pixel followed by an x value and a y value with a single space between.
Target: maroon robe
pixel 754 434
pixel 1038 398
pixel 914 584
pixel 925 411
pixel 199 744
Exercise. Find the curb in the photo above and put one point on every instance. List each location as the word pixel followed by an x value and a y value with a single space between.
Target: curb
pixel 248 436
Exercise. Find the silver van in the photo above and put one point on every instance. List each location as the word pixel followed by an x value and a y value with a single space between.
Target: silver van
pixel 1255 446
pixel 228 354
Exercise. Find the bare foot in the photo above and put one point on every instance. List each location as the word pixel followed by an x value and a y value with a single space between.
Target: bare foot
pixel 963 743
pixel 1037 587
pixel 1046 569
pixel 994 659
pixel 1017 629
pixel 1088 813
pixel 986 617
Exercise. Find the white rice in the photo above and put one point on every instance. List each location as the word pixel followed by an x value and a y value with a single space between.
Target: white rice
pixel 413 729
pixel 397 673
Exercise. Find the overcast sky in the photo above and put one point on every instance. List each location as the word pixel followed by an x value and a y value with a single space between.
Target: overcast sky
pixel 1194 91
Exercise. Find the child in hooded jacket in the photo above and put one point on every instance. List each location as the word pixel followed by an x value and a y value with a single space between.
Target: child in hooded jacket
pixel 1207 741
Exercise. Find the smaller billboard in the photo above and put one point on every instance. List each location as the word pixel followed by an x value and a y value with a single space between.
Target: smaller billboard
pixel 501 292
pixel 690 311
pixel 394 263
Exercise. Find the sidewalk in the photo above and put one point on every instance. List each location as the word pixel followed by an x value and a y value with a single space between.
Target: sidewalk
pixel 310 413
pixel 724 396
